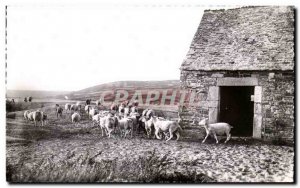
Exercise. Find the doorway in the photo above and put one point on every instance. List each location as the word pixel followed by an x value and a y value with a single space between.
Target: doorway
pixel 237 109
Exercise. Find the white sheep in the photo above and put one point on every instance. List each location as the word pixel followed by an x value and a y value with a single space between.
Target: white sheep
pixel 30 116
pixel 68 107
pixel 125 126
pixel 110 124
pixel 166 126
pixel 26 115
pixel 216 129
pixel 79 105
pixel 148 125
pixel 92 112
pixel 38 116
pixel 74 107
pixel 75 117
pixel 96 119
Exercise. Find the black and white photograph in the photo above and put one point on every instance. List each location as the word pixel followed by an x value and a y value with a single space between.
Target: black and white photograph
pixel 151 93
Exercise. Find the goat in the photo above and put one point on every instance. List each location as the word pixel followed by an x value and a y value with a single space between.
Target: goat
pixel 216 129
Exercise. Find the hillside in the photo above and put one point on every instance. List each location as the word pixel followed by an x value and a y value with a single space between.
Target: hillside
pixel 137 85
pixel 130 86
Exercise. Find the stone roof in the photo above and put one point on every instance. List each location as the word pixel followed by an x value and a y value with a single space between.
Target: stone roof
pixel 247 38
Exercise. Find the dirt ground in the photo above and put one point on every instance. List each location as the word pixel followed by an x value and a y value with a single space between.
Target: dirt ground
pixel 231 162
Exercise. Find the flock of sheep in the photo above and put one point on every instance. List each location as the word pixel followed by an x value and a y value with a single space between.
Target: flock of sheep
pixel 124 119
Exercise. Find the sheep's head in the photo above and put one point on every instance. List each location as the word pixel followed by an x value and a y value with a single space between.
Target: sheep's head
pixel 203 122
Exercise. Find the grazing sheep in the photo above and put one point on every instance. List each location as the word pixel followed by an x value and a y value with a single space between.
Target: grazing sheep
pixel 74 108
pixel 79 105
pixel 38 116
pixel 166 126
pixel 68 107
pixel 216 129
pixel 30 116
pixel 26 115
pixel 75 117
pixel 59 111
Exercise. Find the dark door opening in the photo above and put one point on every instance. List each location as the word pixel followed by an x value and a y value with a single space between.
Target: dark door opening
pixel 236 108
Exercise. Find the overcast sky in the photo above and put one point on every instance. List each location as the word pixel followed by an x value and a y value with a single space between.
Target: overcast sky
pixel 74 47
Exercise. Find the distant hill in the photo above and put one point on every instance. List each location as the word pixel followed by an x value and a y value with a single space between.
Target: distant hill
pixel 130 86
pixel 137 85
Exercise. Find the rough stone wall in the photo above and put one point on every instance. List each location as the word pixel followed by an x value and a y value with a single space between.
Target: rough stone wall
pixel 247 38
pixel 277 99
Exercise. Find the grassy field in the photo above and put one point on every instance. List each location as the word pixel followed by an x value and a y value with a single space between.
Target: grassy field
pixel 63 152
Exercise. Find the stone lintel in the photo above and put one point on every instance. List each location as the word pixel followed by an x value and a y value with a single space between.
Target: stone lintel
pixel 248 81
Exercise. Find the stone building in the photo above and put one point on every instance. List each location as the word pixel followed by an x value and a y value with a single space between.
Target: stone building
pixel 241 64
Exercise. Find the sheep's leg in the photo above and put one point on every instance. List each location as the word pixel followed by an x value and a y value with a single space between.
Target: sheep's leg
pixel 215 135
pixel 156 134
pixel 177 135
pixel 205 138
pixel 125 134
pixel 228 138
pixel 102 131
pixel 147 132
pixel 171 135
